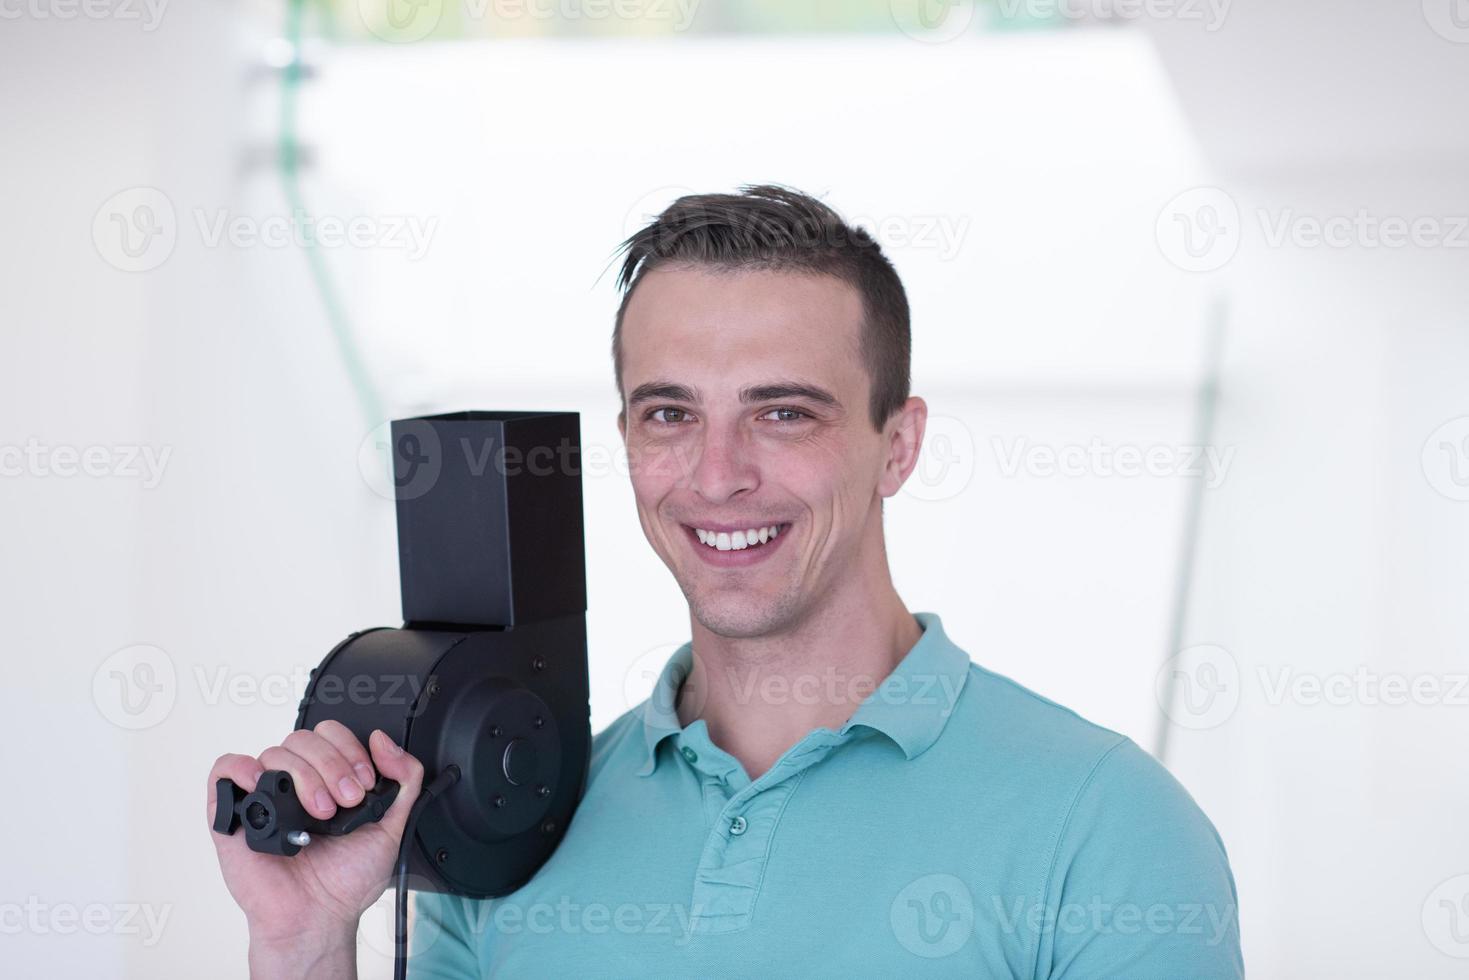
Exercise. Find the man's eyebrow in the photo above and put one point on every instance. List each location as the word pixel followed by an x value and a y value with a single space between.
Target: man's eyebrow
pixel 661 391
pixel 780 390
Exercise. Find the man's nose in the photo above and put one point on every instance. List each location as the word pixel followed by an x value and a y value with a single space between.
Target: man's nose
pixel 723 466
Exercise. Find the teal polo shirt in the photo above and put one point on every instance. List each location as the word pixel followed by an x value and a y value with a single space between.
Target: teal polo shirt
pixel 957 825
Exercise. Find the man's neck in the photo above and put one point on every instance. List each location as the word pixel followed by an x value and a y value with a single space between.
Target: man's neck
pixel 759 696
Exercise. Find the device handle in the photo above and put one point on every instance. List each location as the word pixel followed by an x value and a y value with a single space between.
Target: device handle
pixel 274 820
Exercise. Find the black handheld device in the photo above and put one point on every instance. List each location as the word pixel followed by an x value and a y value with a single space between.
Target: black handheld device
pixel 485 682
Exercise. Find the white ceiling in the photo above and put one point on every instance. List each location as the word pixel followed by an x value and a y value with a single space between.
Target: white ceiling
pixel 1307 85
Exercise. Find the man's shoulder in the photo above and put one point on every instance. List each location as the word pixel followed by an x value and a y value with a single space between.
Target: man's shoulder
pixel 1058 754
pixel 1012 724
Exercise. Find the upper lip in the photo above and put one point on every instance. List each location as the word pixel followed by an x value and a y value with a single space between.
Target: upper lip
pixel 731 528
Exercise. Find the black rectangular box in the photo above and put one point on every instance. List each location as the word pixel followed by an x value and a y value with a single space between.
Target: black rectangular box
pixel 490 527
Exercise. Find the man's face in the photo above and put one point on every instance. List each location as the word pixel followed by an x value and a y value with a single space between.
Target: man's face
pixel 747 410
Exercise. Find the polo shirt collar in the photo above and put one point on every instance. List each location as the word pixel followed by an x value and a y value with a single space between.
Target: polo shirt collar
pixel 911 705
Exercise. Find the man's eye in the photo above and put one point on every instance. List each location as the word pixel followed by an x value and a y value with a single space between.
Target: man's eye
pixel 669 416
pixel 785 415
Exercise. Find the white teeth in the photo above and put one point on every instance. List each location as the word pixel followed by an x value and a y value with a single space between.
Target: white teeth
pixel 737 540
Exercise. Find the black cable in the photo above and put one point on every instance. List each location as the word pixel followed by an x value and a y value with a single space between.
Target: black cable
pixel 443 781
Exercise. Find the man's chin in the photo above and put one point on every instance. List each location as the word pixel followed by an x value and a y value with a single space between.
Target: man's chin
pixel 740 616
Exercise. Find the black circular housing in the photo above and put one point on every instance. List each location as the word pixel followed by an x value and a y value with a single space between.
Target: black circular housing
pixel 509 707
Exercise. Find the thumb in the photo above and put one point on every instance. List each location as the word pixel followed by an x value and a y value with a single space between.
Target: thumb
pixel 393 762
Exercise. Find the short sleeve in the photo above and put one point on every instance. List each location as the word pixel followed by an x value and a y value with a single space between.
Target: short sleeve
pixel 441 942
pixel 1141 887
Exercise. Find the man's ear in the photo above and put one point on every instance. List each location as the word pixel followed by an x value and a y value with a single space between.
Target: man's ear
pixel 904 435
pixel 622 425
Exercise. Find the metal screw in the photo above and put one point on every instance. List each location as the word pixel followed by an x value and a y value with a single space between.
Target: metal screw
pixel 543 791
pixel 499 800
pixel 442 856
pixel 539 663
pixel 433 689
pixel 549 827
pixel 539 722
pixel 496 731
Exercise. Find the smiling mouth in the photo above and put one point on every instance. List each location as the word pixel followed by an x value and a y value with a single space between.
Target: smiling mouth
pixel 752 537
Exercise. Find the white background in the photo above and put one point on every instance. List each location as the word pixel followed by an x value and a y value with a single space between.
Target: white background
pixel 1333 545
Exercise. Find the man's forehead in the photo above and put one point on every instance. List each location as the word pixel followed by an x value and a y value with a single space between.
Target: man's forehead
pixel 776 324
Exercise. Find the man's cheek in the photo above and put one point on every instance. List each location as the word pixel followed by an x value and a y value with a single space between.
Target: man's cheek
pixel 662 464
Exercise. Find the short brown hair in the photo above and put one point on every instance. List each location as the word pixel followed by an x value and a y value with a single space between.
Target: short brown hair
pixel 777 228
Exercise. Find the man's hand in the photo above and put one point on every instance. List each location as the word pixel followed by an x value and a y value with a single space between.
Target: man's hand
pixel 303 910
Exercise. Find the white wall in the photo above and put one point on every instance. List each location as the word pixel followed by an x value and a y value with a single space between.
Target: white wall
pixel 1331 555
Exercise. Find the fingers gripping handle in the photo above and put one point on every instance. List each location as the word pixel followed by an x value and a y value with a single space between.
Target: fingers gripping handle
pixel 275 822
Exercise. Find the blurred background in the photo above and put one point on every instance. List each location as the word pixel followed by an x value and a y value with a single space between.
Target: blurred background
pixel 1189 290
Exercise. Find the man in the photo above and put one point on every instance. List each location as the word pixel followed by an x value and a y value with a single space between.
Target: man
pixel 822 784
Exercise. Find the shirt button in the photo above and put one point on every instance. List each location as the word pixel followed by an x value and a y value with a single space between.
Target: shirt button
pixel 689 754
pixel 737 826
